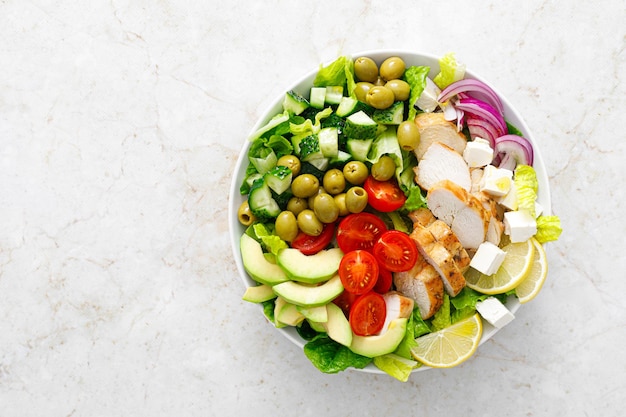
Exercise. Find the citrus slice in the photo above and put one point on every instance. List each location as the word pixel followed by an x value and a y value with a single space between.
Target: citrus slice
pixel 531 285
pixel 450 346
pixel 515 267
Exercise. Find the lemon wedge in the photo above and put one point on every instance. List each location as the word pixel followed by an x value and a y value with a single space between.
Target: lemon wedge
pixel 514 269
pixel 532 284
pixel 450 346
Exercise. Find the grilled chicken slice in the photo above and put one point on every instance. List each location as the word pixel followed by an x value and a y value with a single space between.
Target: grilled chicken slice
pixel 461 211
pixel 444 235
pixel 423 284
pixel 398 306
pixel 433 127
pixel 441 162
pixel 422 216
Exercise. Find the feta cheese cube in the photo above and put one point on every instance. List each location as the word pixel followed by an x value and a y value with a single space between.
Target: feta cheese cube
pixel 488 258
pixel 496 181
pixel 427 101
pixel 478 153
pixel 519 225
pixel 538 209
pixel 509 200
pixel 492 310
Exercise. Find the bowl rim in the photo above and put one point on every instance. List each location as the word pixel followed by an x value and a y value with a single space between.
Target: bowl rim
pixel 412 58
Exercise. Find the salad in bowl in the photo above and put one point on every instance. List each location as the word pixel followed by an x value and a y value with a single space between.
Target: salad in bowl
pixel 388 213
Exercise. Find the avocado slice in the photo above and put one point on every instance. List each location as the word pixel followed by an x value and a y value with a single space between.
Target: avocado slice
pixel 310 269
pixel 308 295
pixel 382 344
pixel 338 326
pixel 259 293
pixel 256 265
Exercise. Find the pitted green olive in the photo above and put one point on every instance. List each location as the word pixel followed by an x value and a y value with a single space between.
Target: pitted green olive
pixel 340 201
pixel 320 190
pixel 305 185
pixel 392 68
pixel 380 97
pixel 334 181
pixel 356 199
pixel 245 215
pixel 401 89
pixel 309 223
pixel 290 161
pixel 286 226
pixel 361 89
pixel 296 205
pixel 408 135
pixel 355 172
pixel 384 168
pixel 325 208
pixel 365 69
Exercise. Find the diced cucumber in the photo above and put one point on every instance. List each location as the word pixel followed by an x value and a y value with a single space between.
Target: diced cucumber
pixel 347 106
pixel 329 141
pixel 318 97
pixel 279 179
pixel 393 115
pixel 310 148
pixel 341 159
pixel 359 148
pixel 252 178
pixel 295 142
pixel 295 103
pixel 334 94
pixel 360 126
pixel 261 202
pixel 263 165
pixel 320 163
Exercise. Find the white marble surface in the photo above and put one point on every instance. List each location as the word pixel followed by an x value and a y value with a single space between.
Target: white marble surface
pixel 120 125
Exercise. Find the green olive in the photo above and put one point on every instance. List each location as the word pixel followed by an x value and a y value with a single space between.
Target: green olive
pixel 296 205
pixel 356 199
pixel 320 190
pixel 305 185
pixel 290 161
pixel 309 223
pixel 334 181
pixel 401 89
pixel 380 97
pixel 408 135
pixel 392 68
pixel 340 201
pixel 325 208
pixel 384 168
pixel 286 226
pixel 245 215
pixel 355 172
pixel 360 90
pixel 380 81
pixel 365 69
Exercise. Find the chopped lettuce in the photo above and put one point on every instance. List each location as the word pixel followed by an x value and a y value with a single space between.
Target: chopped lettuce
pixel 340 72
pixel 415 76
pixel 387 144
pixel 276 122
pixel 548 228
pixel 442 317
pixel 450 71
pixel 331 357
pixel 266 235
pixel 526 186
pixel 396 366
pixel 307 127
pixel 415 327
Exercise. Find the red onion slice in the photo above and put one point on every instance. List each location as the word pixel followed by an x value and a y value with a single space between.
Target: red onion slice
pixel 516 150
pixel 484 111
pixel 472 86
pixel 480 128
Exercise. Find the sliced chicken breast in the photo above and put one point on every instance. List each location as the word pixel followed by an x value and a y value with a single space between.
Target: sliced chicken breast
pixel 423 284
pixel 433 127
pixel 398 306
pixel 441 162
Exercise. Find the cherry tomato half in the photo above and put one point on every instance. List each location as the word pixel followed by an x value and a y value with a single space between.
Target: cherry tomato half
pixel 344 301
pixel 384 281
pixel 384 196
pixel 358 271
pixel 396 251
pixel 310 245
pixel 368 313
pixel 359 231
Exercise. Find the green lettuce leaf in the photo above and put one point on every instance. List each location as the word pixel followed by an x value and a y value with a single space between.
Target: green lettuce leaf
pixel 266 235
pixel 340 72
pixel 450 71
pixel 331 357
pixel 526 185
pixel 415 76
pixel 396 366
pixel 548 228
pixel 442 318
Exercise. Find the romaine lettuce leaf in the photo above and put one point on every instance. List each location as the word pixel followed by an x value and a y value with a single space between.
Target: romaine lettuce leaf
pixel 331 357
pixel 396 366
pixel 270 241
pixel 526 185
pixel 548 228
pixel 450 71
pixel 416 77
pixel 442 318
pixel 340 72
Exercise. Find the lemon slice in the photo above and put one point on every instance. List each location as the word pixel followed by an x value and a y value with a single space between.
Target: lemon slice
pixel 515 267
pixel 531 285
pixel 450 346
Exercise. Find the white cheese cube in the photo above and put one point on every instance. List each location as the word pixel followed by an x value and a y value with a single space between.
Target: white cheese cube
pixel 427 101
pixel 492 310
pixel 496 181
pixel 509 200
pixel 519 225
pixel 488 258
pixel 478 153
pixel 538 209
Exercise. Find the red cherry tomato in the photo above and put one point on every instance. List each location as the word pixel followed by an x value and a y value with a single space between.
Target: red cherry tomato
pixel 368 313
pixel 384 281
pixel 344 301
pixel 359 231
pixel 384 196
pixel 310 245
pixel 358 271
pixel 396 251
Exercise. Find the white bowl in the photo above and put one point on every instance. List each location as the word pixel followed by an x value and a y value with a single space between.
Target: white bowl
pixel 303 86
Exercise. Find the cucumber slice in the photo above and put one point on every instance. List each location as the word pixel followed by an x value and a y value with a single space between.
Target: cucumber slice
pixel 393 115
pixel 318 97
pixel 359 148
pixel 295 103
pixel 360 126
pixel 329 141
pixel 334 94
pixel 279 179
